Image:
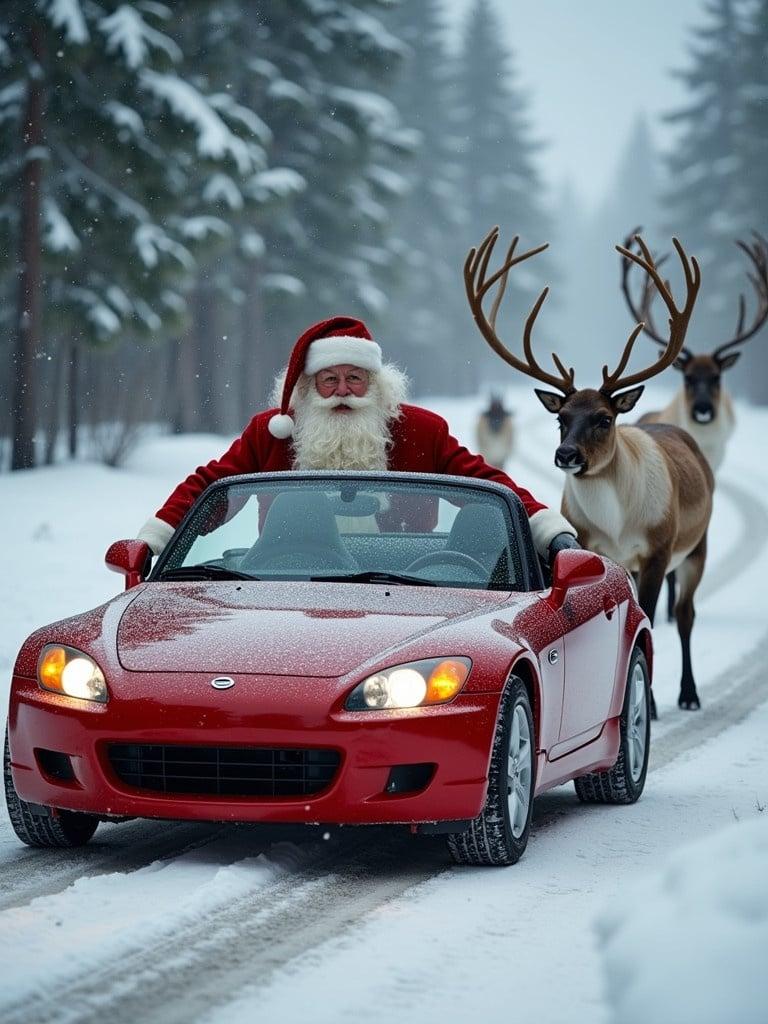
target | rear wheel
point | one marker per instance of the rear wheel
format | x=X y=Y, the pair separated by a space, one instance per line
x=499 y=835
x=624 y=783
x=59 y=828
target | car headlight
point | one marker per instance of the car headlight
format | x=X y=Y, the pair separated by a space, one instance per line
x=68 y=671
x=417 y=684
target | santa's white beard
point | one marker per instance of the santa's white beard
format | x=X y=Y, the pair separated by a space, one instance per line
x=325 y=439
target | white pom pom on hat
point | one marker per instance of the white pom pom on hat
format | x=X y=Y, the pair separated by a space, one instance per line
x=280 y=426
x=332 y=342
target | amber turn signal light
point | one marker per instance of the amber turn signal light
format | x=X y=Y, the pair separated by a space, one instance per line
x=445 y=680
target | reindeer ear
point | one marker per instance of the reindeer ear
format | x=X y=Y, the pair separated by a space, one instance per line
x=726 y=362
x=681 y=362
x=627 y=399
x=551 y=401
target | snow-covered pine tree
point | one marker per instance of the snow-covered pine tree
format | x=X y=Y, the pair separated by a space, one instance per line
x=632 y=200
x=706 y=198
x=754 y=145
x=320 y=70
x=499 y=178
x=753 y=151
x=428 y=298
x=105 y=133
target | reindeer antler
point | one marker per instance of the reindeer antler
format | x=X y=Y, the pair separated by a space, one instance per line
x=757 y=252
x=477 y=287
x=678 y=318
x=644 y=312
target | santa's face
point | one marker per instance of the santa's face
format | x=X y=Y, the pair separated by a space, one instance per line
x=342 y=382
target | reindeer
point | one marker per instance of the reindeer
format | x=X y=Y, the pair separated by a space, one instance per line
x=702 y=406
x=495 y=433
x=641 y=495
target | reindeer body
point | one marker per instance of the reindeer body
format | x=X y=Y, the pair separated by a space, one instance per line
x=495 y=438
x=626 y=511
x=712 y=437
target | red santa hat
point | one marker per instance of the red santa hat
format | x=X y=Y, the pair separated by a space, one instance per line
x=333 y=342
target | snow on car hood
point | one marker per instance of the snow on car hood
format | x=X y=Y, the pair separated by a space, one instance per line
x=310 y=629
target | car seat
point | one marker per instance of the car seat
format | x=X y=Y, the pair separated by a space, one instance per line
x=480 y=531
x=299 y=534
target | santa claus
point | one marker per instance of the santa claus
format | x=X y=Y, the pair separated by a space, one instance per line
x=339 y=406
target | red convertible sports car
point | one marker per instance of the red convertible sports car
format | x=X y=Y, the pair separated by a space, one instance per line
x=349 y=648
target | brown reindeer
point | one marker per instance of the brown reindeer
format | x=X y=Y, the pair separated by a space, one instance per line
x=642 y=495
x=702 y=406
x=495 y=433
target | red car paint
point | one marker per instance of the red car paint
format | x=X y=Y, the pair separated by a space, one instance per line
x=295 y=651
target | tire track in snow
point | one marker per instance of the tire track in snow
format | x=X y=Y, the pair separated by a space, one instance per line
x=197 y=967
x=42 y=872
x=745 y=547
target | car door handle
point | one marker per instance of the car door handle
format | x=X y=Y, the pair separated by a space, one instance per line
x=609 y=607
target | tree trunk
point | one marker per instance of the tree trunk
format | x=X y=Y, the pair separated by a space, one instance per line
x=30 y=259
x=54 y=386
x=257 y=374
x=73 y=399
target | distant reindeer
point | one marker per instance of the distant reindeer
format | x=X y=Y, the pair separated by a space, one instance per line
x=702 y=406
x=641 y=495
x=495 y=433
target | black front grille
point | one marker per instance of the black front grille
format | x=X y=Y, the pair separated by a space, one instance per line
x=224 y=771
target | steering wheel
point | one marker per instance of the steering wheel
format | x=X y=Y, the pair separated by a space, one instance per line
x=448 y=558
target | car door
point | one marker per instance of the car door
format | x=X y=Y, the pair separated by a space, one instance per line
x=591 y=646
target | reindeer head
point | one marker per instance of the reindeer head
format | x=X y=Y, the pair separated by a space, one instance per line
x=702 y=373
x=587 y=417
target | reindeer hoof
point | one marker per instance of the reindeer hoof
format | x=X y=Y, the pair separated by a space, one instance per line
x=689 y=703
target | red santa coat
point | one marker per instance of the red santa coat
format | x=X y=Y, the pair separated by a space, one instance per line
x=421 y=443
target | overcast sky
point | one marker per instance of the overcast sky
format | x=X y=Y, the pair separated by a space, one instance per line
x=589 y=66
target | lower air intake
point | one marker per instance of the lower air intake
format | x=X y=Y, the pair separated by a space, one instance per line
x=224 y=771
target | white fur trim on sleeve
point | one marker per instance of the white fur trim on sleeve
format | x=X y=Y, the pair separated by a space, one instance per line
x=545 y=526
x=336 y=351
x=156 y=532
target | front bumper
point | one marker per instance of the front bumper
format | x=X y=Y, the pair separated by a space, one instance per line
x=286 y=712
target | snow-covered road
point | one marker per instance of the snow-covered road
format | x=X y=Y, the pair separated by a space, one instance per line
x=171 y=922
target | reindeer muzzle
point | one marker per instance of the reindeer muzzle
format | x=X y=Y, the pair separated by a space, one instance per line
x=569 y=459
x=703 y=412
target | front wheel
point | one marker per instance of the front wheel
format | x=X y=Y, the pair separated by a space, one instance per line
x=624 y=783
x=61 y=829
x=499 y=835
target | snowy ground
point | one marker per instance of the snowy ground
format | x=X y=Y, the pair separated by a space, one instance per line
x=611 y=915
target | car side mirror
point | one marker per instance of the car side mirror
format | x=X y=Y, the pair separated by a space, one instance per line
x=573 y=568
x=132 y=558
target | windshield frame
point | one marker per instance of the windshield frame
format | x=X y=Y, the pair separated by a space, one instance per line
x=531 y=573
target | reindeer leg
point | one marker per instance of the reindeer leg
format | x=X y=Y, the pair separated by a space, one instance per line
x=671 y=586
x=648 y=590
x=690 y=573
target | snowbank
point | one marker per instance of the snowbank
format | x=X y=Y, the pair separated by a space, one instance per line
x=688 y=943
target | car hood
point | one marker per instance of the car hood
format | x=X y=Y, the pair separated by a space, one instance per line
x=309 y=629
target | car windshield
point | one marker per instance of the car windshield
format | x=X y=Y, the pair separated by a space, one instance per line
x=349 y=530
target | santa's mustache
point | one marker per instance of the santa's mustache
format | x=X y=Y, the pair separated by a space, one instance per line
x=335 y=401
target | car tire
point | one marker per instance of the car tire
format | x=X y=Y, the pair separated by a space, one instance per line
x=624 y=783
x=61 y=829
x=499 y=834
